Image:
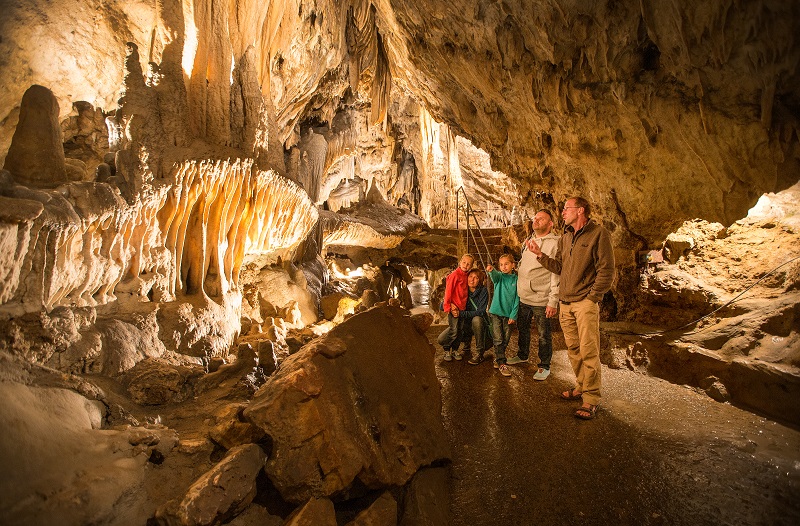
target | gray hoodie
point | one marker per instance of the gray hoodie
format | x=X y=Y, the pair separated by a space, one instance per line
x=536 y=285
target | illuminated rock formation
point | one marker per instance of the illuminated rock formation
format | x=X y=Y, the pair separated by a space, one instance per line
x=36 y=155
x=191 y=237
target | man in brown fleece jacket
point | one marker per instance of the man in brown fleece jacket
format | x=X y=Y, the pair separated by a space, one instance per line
x=585 y=262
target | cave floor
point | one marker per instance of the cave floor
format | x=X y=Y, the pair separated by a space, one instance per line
x=657 y=453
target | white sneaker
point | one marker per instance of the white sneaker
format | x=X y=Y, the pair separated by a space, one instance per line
x=458 y=355
x=515 y=360
x=541 y=374
x=448 y=356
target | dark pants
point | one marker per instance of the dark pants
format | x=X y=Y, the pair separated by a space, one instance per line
x=477 y=327
x=525 y=315
x=501 y=334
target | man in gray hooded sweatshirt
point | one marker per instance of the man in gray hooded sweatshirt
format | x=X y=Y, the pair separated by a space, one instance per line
x=537 y=288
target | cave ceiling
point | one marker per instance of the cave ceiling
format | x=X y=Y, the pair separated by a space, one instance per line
x=656 y=112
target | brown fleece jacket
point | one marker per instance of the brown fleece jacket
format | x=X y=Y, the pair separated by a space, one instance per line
x=585 y=262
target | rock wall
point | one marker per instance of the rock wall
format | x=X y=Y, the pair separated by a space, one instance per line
x=655 y=113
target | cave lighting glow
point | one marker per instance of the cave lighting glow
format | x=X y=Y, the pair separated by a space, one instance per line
x=346 y=273
x=189 y=45
x=762 y=209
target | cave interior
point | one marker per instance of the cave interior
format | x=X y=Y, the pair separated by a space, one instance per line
x=216 y=217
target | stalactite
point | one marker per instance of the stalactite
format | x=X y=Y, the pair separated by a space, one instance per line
x=369 y=65
x=235 y=210
x=439 y=165
x=88 y=245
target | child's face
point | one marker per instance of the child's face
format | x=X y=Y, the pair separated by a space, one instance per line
x=466 y=263
x=506 y=265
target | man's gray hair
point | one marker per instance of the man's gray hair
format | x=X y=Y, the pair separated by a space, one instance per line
x=583 y=203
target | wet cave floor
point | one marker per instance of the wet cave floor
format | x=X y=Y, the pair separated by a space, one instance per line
x=656 y=453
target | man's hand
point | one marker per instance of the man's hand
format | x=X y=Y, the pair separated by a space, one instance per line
x=550 y=312
x=533 y=247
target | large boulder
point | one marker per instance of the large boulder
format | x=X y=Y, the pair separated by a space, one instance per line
x=382 y=512
x=220 y=494
x=359 y=405
x=424 y=498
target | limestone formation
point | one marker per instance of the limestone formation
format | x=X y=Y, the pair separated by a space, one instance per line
x=312 y=513
x=256 y=515
x=382 y=512
x=231 y=430
x=729 y=301
x=64 y=465
x=36 y=155
x=427 y=490
x=369 y=225
x=152 y=382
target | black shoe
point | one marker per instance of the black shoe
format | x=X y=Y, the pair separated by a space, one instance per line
x=475 y=360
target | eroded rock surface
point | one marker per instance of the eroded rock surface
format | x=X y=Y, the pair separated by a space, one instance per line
x=220 y=494
x=731 y=301
x=336 y=415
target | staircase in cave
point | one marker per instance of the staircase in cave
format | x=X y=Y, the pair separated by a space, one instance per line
x=497 y=240
x=486 y=244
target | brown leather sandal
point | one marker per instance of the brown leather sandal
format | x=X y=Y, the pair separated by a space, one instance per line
x=586 y=413
x=572 y=394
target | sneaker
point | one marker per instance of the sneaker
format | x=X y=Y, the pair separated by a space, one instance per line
x=504 y=370
x=515 y=360
x=541 y=374
x=448 y=356
x=475 y=360
x=458 y=355
x=496 y=365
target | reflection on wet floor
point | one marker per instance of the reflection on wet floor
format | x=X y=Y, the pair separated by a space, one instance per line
x=657 y=453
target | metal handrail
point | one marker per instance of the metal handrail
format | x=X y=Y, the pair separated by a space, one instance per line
x=469 y=212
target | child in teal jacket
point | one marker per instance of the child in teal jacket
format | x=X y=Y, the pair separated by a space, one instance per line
x=503 y=311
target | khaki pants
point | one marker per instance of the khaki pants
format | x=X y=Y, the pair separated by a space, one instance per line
x=580 y=322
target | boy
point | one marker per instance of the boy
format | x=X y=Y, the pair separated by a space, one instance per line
x=503 y=311
x=455 y=300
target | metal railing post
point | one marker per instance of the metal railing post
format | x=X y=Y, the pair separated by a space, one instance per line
x=470 y=213
x=457 y=212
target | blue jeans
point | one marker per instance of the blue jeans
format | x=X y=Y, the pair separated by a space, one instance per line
x=501 y=334
x=526 y=314
x=449 y=338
